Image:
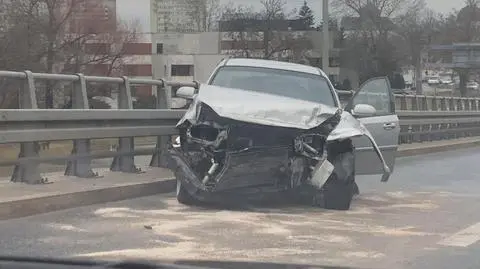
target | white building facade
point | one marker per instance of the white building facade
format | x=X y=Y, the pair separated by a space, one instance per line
x=171 y=16
x=185 y=56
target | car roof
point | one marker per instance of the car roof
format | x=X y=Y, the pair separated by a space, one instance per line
x=274 y=65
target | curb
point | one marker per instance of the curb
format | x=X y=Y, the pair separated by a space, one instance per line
x=28 y=207
x=437 y=148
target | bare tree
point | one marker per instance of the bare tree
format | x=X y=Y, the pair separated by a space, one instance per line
x=46 y=36
x=375 y=8
x=467 y=22
x=468 y=31
x=418 y=27
x=371 y=49
x=241 y=32
x=266 y=34
x=273 y=10
x=103 y=49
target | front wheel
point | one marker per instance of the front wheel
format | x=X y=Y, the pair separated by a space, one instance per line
x=338 y=191
x=337 y=194
x=182 y=194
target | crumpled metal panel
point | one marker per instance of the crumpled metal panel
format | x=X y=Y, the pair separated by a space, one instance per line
x=279 y=111
x=349 y=127
x=259 y=108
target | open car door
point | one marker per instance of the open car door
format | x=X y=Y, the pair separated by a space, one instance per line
x=376 y=95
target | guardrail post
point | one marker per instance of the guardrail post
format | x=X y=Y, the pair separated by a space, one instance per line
x=415 y=107
x=473 y=104
x=451 y=104
x=80 y=167
x=28 y=172
x=466 y=104
x=424 y=103
x=434 y=106
x=451 y=107
x=163 y=102
x=126 y=146
x=415 y=103
x=443 y=104
x=403 y=102
x=459 y=104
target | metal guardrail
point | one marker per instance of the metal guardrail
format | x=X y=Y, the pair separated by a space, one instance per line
x=436 y=103
x=422 y=119
x=428 y=118
x=29 y=125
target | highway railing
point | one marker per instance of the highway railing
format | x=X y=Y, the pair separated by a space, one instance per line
x=422 y=119
x=429 y=118
x=29 y=125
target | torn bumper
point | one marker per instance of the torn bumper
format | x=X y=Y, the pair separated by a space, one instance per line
x=247 y=175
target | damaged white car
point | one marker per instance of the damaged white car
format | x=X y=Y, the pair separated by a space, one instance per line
x=262 y=127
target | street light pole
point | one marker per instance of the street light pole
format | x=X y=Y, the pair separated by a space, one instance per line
x=326 y=39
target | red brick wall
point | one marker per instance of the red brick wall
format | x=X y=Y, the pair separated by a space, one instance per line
x=91 y=16
x=97 y=48
x=138 y=48
x=143 y=90
x=138 y=70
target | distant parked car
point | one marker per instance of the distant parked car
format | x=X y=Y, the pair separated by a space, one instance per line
x=433 y=80
x=446 y=80
x=472 y=85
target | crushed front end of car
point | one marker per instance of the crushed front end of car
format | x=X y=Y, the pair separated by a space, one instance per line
x=265 y=144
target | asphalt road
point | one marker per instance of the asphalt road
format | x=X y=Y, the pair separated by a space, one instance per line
x=427 y=216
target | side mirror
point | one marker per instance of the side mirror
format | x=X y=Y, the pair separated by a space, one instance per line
x=364 y=110
x=178 y=103
x=186 y=92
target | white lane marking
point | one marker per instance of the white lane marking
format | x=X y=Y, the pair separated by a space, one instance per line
x=463 y=238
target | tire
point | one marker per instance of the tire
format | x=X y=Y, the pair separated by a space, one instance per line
x=338 y=194
x=356 y=190
x=182 y=194
x=338 y=191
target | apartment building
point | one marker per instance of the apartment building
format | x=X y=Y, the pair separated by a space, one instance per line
x=185 y=56
x=172 y=16
x=193 y=56
x=92 y=16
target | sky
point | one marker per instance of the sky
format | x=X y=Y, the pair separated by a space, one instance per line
x=139 y=9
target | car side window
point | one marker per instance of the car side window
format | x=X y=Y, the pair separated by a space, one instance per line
x=377 y=93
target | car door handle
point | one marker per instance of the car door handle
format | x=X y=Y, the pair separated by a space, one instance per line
x=389 y=126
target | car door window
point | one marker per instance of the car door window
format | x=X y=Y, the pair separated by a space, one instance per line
x=383 y=126
x=377 y=93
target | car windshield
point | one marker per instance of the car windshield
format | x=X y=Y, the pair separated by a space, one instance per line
x=298 y=85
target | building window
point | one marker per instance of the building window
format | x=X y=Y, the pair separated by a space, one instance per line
x=334 y=80
x=334 y=62
x=182 y=70
x=160 y=48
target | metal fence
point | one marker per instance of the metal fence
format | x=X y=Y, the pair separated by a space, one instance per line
x=30 y=125
x=422 y=119
x=429 y=118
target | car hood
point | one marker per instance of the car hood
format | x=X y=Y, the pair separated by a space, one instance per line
x=273 y=110
x=260 y=108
